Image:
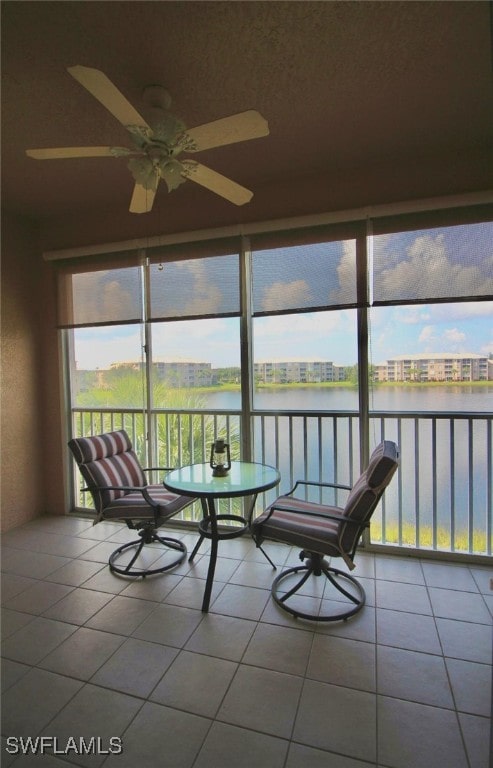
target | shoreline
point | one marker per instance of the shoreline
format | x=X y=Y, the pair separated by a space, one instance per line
x=348 y=385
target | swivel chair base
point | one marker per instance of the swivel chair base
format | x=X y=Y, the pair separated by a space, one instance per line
x=316 y=565
x=147 y=536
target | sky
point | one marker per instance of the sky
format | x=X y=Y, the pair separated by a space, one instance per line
x=406 y=266
x=327 y=336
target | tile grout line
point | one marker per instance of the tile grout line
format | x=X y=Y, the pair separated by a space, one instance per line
x=456 y=713
x=258 y=622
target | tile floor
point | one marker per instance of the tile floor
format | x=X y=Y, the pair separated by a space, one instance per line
x=85 y=654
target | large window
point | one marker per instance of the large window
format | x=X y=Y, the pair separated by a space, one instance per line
x=196 y=364
x=304 y=348
x=108 y=367
x=194 y=309
x=305 y=336
x=431 y=355
x=306 y=362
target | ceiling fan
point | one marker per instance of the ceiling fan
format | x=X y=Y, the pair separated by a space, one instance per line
x=156 y=149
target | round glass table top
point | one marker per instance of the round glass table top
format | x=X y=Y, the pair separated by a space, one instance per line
x=243 y=478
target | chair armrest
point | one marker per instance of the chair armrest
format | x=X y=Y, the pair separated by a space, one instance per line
x=157 y=469
x=127 y=488
x=160 y=470
x=117 y=488
x=324 y=515
x=319 y=485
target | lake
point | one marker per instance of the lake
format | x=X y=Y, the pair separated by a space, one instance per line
x=444 y=483
x=461 y=399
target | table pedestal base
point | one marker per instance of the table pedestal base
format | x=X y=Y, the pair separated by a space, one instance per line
x=208 y=530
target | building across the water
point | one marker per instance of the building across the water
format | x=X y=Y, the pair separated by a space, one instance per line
x=298 y=371
x=176 y=373
x=436 y=366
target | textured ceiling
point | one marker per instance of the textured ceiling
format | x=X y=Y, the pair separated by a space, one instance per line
x=367 y=102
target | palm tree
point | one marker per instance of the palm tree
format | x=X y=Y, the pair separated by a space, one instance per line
x=181 y=430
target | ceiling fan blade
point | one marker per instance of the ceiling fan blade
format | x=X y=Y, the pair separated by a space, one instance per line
x=228 y=130
x=104 y=91
x=217 y=183
x=60 y=153
x=142 y=199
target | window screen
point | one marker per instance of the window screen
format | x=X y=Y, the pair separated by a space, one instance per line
x=195 y=280
x=437 y=264
x=316 y=274
x=92 y=295
x=194 y=288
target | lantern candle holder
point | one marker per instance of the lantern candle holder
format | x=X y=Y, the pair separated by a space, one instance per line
x=220 y=460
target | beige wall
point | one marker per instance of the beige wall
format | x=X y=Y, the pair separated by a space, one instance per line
x=31 y=454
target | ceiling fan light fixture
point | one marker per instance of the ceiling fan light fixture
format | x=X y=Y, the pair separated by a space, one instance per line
x=171 y=172
x=144 y=172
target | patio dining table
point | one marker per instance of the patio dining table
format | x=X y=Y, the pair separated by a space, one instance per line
x=244 y=479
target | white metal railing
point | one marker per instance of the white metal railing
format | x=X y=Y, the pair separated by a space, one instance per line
x=443 y=500
x=440 y=501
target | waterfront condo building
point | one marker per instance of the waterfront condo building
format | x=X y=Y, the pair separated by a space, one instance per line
x=298 y=371
x=439 y=366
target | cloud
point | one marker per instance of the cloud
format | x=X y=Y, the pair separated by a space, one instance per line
x=115 y=299
x=427 y=334
x=207 y=296
x=454 y=336
x=99 y=350
x=322 y=336
x=286 y=295
x=346 y=272
x=97 y=297
x=206 y=301
x=442 y=340
x=310 y=325
x=413 y=315
x=460 y=311
x=192 y=330
x=431 y=314
x=427 y=271
x=487 y=349
x=213 y=340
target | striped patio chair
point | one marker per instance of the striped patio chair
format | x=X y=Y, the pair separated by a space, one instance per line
x=120 y=491
x=321 y=530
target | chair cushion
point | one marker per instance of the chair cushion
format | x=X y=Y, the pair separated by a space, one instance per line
x=324 y=535
x=107 y=460
x=366 y=492
x=382 y=465
x=87 y=449
x=133 y=506
x=313 y=533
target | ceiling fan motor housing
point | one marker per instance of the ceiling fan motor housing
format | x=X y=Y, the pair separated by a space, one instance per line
x=156 y=96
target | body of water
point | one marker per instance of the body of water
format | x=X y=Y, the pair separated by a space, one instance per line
x=463 y=399
x=445 y=472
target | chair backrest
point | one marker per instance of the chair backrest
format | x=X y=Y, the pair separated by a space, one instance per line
x=367 y=491
x=107 y=459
